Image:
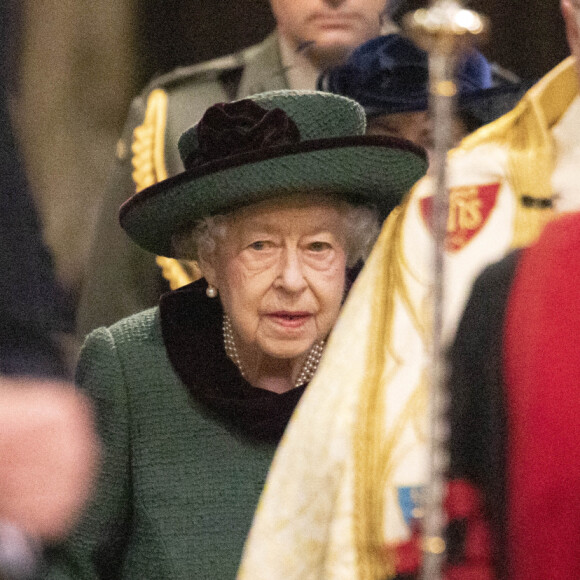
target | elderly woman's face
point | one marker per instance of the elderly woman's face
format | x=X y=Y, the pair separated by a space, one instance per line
x=280 y=273
x=414 y=126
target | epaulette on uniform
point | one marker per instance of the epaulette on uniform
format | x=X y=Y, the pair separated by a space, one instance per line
x=214 y=80
x=210 y=70
x=148 y=158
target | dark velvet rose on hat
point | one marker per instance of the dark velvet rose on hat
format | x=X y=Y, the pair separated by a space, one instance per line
x=267 y=146
x=231 y=129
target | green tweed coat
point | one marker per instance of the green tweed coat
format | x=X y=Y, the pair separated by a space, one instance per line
x=178 y=489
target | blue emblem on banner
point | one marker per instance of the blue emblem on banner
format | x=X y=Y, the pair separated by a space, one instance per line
x=411 y=502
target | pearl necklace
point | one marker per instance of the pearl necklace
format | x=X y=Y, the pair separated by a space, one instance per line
x=308 y=368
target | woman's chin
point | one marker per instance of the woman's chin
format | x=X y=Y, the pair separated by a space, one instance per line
x=288 y=349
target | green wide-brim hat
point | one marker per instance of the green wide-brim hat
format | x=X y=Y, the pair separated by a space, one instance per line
x=267 y=146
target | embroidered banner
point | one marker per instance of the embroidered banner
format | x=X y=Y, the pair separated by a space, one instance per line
x=469 y=208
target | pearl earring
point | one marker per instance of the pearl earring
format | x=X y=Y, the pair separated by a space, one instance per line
x=211 y=291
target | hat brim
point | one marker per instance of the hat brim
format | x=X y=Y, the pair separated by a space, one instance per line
x=485 y=106
x=371 y=170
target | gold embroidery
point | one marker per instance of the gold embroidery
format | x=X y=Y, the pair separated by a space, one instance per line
x=178 y=273
x=525 y=133
x=148 y=145
x=149 y=167
x=464 y=209
x=374 y=450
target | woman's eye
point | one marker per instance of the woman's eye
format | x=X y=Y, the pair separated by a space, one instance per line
x=259 y=245
x=318 y=246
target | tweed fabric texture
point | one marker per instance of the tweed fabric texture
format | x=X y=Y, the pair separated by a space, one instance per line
x=177 y=490
x=327 y=115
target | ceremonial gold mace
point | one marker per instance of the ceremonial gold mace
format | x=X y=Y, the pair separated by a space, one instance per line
x=446 y=30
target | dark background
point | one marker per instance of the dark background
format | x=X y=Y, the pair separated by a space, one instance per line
x=527 y=36
x=182 y=32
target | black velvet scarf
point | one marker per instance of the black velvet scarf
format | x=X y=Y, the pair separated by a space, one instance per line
x=191 y=324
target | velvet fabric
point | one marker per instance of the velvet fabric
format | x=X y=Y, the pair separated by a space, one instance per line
x=389 y=74
x=542 y=384
x=191 y=325
x=232 y=128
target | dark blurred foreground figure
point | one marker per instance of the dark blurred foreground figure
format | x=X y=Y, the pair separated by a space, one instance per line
x=48 y=447
x=389 y=77
x=310 y=36
x=33 y=308
x=515 y=388
x=282 y=194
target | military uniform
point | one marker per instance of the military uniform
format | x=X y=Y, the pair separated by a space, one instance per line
x=122 y=279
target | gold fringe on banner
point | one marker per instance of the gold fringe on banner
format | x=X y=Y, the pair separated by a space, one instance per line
x=525 y=133
x=374 y=453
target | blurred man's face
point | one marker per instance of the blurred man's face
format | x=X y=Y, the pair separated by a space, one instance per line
x=327 y=30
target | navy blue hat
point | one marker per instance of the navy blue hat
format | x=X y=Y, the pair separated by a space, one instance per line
x=389 y=74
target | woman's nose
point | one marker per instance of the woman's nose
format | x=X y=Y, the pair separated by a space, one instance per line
x=291 y=273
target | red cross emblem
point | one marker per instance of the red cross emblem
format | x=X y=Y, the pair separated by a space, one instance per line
x=469 y=208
